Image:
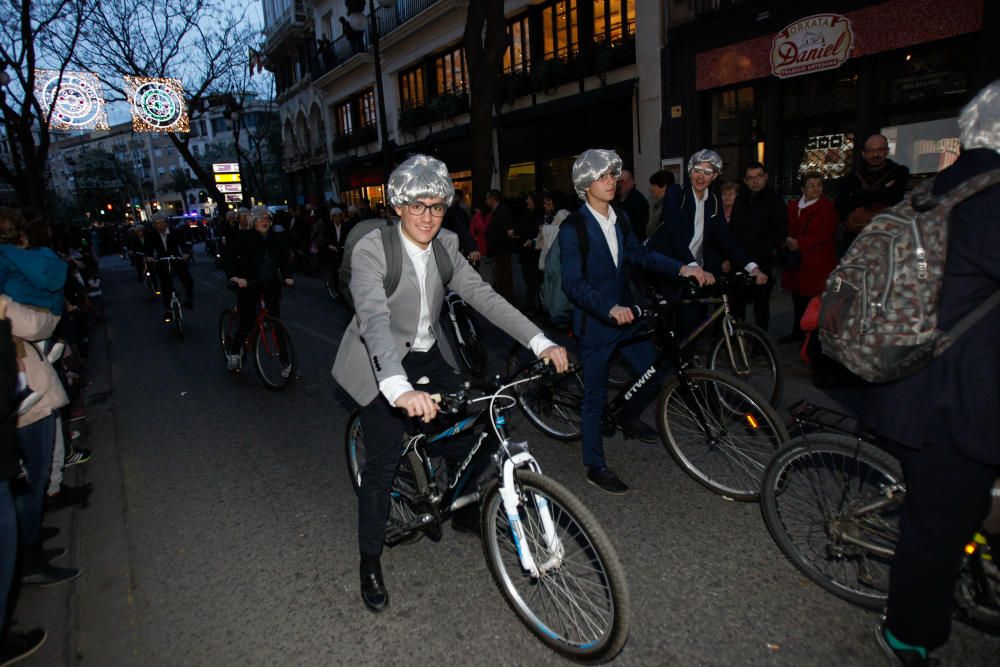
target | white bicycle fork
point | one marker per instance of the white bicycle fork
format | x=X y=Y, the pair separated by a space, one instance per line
x=509 y=496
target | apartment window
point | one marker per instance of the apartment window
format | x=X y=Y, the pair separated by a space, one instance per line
x=517 y=57
x=411 y=87
x=345 y=125
x=452 y=77
x=560 y=34
x=158 y=152
x=613 y=19
x=366 y=109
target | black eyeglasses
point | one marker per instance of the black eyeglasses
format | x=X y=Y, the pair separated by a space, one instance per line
x=418 y=208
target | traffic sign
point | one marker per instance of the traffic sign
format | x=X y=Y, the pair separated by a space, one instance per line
x=234 y=198
x=226 y=167
x=230 y=187
x=227 y=178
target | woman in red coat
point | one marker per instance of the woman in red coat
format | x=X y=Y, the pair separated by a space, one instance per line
x=812 y=222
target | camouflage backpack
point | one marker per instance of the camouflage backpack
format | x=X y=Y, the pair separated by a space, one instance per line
x=879 y=310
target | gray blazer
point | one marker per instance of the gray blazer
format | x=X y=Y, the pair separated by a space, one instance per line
x=382 y=330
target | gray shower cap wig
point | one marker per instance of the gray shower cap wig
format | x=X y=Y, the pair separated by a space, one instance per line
x=980 y=119
x=159 y=215
x=706 y=155
x=259 y=212
x=591 y=165
x=420 y=177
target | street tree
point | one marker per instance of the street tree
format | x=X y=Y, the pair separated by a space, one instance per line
x=199 y=42
x=484 y=41
x=33 y=34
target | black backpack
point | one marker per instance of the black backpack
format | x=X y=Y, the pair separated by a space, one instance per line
x=393 y=246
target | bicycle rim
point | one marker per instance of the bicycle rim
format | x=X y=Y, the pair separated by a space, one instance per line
x=720 y=431
x=178 y=320
x=812 y=499
x=554 y=404
x=273 y=354
x=579 y=603
x=753 y=361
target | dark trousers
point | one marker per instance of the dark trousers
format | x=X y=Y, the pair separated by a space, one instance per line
x=532 y=278
x=947 y=498
x=504 y=275
x=35 y=443
x=383 y=427
x=596 y=359
x=180 y=271
x=8 y=549
x=760 y=297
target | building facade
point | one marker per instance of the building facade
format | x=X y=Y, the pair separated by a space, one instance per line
x=576 y=74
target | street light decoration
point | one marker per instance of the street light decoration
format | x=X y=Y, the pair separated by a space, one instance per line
x=157 y=104
x=74 y=99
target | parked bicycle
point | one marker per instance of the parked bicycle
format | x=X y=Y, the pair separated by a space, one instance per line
x=832 y=500
x=719 y=430
x=268 y=342
x=548 y=555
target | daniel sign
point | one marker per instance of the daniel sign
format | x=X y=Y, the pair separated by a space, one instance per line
x=812 y=44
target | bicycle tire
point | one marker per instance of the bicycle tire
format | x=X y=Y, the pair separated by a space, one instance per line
x=764 y=373
x=553 y=404
x=332 y=287
x=404 y=486
x=229 y=326
x=807 y=497
x=472 y=348
x=977 y=593
x=745 y=432
x=269 y=339
x=178 y=320
x=593 y=567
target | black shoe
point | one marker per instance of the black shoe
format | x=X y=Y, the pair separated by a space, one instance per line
x=606 y=480
x=638 y=430
x=373 y=591
x=899 y=657
x=20 y=645
x=67 y=497
x=49 y=575
x=54 y=552
x=48 y=532
x=794 y=337
x=466 y=520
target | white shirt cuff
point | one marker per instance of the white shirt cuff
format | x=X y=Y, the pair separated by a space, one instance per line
x=539 y=344
x=750 y=267
x=393 y=387
x=693 y=264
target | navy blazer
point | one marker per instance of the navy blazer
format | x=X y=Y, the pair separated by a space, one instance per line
x=956 y=400
x=605 y=285
x=673 y=237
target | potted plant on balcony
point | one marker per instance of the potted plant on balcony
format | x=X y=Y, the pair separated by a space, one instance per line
x=411 y=119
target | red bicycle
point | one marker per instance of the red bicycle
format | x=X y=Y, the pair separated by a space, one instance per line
x=269 y=343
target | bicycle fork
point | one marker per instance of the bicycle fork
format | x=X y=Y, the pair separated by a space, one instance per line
x=510 y=499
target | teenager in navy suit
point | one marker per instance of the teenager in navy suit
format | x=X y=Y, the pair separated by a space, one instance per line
x=602 y=298
x=695 y=231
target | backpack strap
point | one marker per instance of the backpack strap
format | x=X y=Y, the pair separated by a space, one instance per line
x=583 y=240
x=393 y=247
x=966 y=323
x=445 y=268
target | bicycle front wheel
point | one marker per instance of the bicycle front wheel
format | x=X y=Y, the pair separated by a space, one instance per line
x=832 y=506
x=178 y=319
x=720 y=431
x=274 y=355
x=753 y=360
x=229 y=326
x=553 y=404
x=579 y=603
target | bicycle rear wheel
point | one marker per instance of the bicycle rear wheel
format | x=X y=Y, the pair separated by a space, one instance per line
x=831 y=505
x=404 y=487
x=754 y=360
x=579 y=603
x=470 y=344
x=553 y=404
x=720 y=432
x=274 y=355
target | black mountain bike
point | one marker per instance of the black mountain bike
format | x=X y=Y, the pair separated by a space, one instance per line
x=719 y=430
x=548 y=555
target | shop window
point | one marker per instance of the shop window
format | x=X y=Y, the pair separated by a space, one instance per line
x=519 y=179
x=734 y=117
x=829 y=155
x=366 y=109
x=345 y=125
x=411 y=87
x=560 y=31
x=925 y=148
x=517 y=57
x=613 y=20
x=451 y=72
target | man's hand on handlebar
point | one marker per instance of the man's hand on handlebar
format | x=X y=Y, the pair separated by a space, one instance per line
x=474 y=256
x=240 y=282
x=418 y=404
x=622 y=315
x=290 y=281
x=699 y=274
x=759 y=275
x=556 y=354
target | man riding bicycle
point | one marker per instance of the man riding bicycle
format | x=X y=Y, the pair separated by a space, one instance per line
x=256 y=262
x=165 y=243
x=394 y=353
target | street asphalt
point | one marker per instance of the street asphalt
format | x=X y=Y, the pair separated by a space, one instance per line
x=222 y=530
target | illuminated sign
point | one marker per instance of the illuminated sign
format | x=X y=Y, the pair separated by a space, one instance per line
x=230 y=187
x=233 y=198
x=226 y=167
x=227 y=178
x=813 y=44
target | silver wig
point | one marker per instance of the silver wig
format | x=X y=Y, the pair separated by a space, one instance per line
x=591 y=165
x=259 y=212
x=706 y=155
x=980 y=119
x=159 y=215
x=420 y=177
x=231 y=215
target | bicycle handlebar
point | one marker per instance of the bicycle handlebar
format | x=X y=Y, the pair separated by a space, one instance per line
x=454 y=402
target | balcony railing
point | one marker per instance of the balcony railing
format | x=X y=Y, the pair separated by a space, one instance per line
x=296 y=15
x=390 y=18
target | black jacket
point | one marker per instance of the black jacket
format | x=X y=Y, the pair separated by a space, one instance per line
x=8 y=425
x=637 y=208
x=155 y=247
x=956 y=400
x=760 y=225
x=257 y=257
x=864 y=187
x=497 y=240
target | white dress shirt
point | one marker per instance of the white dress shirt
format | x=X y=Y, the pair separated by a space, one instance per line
x=394 y=386
x=607 y=225
x=698 y=237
